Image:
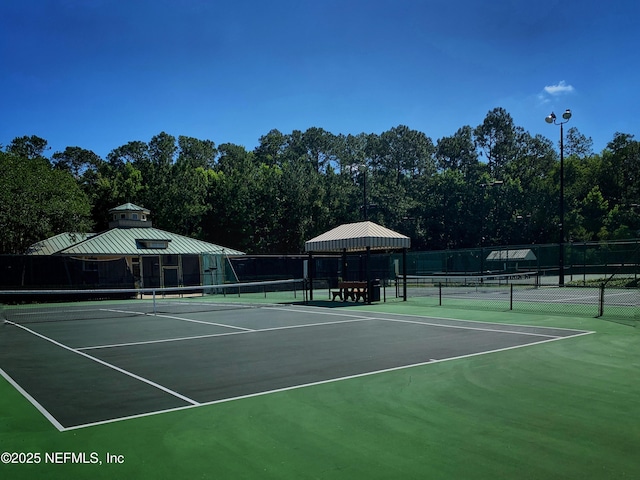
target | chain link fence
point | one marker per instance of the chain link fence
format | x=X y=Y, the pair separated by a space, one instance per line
x=582 y=261
x=526 y=293
x=600 y=279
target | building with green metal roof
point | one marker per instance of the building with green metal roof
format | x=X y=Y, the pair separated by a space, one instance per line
x=152 y=257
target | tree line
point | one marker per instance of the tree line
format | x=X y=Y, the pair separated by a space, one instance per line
x=493 y=184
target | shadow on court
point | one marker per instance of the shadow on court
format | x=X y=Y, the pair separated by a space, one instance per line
x=329 y=303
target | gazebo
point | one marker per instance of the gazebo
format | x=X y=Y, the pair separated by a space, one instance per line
x=359 y=237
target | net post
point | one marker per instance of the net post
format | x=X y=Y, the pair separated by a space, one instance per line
x=511 y=297
x=440 y=293
x=153 y=293
x=601 y=301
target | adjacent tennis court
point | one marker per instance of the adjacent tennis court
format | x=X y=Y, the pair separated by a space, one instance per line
x=527 y=292
x=108 y=363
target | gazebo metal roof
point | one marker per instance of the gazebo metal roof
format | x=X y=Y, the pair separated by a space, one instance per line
x=359 y=236
x=515 y=255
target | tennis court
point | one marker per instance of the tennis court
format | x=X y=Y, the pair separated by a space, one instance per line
x=527 y=292
x=108 y=363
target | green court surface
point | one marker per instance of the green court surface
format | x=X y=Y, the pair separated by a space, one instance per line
x=551 y=409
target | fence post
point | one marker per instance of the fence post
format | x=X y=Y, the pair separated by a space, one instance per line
x=511 y=297
x=601 y=302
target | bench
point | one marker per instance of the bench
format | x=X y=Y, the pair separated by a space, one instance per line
x=355 y=291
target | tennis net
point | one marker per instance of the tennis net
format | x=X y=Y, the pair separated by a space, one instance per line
x=462 y=280
x=38 y=306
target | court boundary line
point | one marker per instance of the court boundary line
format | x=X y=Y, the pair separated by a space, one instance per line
x=307 y=309
x=511 y=332
x=356 y=318
x=414 y=315
x=360 y=318
x=324 y=382
x=32 y=400
x=162 y=315
x=108 y=365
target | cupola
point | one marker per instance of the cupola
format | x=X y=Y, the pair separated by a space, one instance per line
x=129 y=215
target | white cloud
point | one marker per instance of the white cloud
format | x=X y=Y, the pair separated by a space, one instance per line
x=559 y=89
x=543 y=99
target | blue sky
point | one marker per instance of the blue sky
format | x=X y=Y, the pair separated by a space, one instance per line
x=100 y=73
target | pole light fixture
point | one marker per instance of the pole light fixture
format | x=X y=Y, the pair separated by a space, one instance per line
x=552 y=119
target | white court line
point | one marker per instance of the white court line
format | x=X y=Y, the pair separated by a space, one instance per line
x=205 y=323
x=107 y=364
x=128 y=312
x=465 y=327
x=59 y=311
x=449 y=319
x=323 y=311
x=33 y=401
x=471 y=328
x=629 y=293
x=175 y=318
x=162 y=340
x=307 y=309
x=356 y=318
x=322 y=382
x=212 y=335
x=591 y=298
x=587 y=298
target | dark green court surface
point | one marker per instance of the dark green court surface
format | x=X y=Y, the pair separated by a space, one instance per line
x=80 y=373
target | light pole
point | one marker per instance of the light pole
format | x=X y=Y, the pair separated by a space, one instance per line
x=494 y=183
x=363 y=170
x=552 y=119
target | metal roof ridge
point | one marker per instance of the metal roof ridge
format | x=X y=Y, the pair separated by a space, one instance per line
x=129 y=206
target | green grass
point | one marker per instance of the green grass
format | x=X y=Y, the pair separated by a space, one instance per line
x=565 y=409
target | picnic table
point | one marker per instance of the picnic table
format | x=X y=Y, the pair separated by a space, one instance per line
x=355 y=291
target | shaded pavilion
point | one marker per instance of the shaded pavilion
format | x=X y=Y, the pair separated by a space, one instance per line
x=359 y=237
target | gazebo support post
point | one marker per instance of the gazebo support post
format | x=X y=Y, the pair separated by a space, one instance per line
x=344 y=265
x=404 y=274
x=310 y=273
x=368 y=273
